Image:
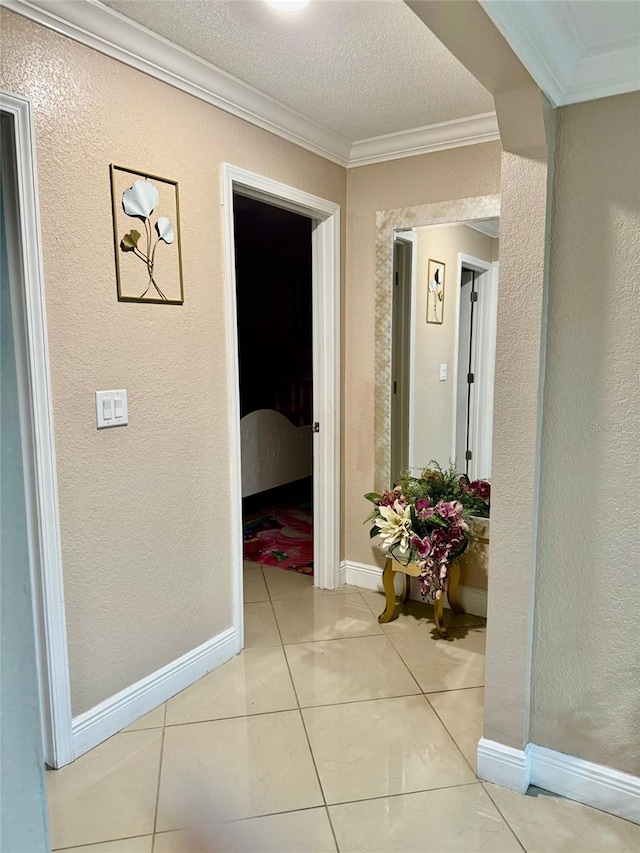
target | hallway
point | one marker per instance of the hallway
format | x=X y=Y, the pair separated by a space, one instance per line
x=329 y=732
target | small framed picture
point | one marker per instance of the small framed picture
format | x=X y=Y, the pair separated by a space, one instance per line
x=146 y=233
x=435 y=292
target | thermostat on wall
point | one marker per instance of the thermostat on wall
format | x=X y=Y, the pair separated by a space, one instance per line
x=111 y=409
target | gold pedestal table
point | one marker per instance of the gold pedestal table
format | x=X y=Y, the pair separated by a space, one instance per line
x=411 y=570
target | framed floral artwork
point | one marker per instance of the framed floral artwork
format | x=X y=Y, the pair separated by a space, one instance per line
x=146 y=232
x=435 y=292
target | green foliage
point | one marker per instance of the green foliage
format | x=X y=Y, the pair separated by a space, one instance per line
x=442 y=484
x=435 y=483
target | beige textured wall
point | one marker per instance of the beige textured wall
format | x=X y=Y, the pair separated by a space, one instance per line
x=145 y=539
x=515 y=453
x=586 y=672
x=436 y=345
x=441 y=176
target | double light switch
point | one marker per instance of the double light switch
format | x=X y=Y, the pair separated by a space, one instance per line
x=111 y=409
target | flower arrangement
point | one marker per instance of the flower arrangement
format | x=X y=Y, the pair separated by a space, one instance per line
x=428 y=520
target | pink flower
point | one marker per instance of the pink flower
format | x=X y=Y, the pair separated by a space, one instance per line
x=390 y=498
x=456 y=537
x=482 y=489
x=438 y=536
x=387 y=499
x=399 y=495
x=479 y=489
x=449 y=509
x=424 y=510
x=422 y=546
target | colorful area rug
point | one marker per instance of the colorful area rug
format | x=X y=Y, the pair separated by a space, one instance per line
x=281 y=537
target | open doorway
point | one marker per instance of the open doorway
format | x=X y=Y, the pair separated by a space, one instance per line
x=273 y=262
x=321 y=396
x=402 y=340
x=475 y=358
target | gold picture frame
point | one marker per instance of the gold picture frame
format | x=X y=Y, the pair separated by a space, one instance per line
x=435 y=292
x=146 y=234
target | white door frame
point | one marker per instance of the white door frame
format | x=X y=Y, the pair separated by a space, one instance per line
x=36 y=420
x=482 y=406
x=410 y=235
x=326 y=368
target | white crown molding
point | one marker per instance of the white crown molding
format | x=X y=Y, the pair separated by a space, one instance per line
x=94 y=25
x=423 y=140
x=489 y=229
x=105 y=30
x=546 y=40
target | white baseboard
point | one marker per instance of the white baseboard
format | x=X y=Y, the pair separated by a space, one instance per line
x=118 y=711
x=362 y=574
x=504 y=765
x=592 y=784
x=473 y=600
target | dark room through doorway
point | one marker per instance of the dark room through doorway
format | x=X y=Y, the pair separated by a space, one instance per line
x=273 y=259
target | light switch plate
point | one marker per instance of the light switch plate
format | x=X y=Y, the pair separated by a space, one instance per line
x=111 y=409
x=443 y=372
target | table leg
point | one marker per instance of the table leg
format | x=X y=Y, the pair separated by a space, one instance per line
x=452 y=587
x=390 y=592
x=438 y=608
x=407 y=589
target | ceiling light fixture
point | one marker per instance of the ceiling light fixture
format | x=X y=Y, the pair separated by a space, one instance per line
x=288 y=5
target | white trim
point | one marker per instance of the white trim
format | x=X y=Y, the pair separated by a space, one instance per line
x=474 y=601
x=471 y=130
x=593 y=784
x=488 y=227
x=116 y=712
x=482 y=398
x=487 y=332
x=326 y=366
x=549 y=45
x=109 y=32
x=410 y=235
x=363 y=575
x=504 y=765
x=38 y=440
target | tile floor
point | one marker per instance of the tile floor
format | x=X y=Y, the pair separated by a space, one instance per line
x=329 y=732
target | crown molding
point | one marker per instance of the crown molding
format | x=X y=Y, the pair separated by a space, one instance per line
x=545 y=38
x=105 y=30
x=94 y=25
x=423 y=140
x=489 y=229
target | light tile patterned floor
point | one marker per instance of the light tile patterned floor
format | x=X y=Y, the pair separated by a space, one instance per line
x=328 y=733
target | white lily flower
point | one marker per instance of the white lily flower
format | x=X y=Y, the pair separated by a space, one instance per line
x=394 y=526
x=164 y=227
x=140 y=199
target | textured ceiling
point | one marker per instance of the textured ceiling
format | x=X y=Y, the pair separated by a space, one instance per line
x=360 y=68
